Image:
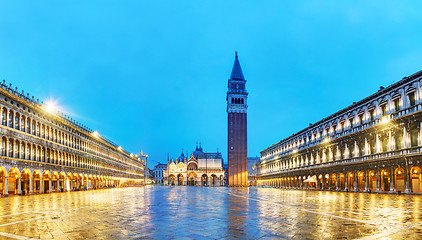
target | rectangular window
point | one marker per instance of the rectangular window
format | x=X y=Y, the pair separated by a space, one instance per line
x=414 y=138
x=397 y=104
x=412 y=99
x=384 y=109
x=351 y=122
x=372 y=114
x=361 y=119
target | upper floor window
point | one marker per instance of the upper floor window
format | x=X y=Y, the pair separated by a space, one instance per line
x=412 y=99
x=372 y=114
x=384 y=109
x=397 y=104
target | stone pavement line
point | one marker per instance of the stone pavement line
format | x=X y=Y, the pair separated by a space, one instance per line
x=9 y=235
x=391 y=231
x=22 y=213
x=310 y=211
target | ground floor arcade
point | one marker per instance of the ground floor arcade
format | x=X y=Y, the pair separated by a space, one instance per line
x=195 y=179
x=400 y=176
x=24 y=181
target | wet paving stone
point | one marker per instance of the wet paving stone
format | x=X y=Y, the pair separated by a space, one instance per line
x=163 y=212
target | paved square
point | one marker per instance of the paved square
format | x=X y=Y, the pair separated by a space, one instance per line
x=162 y=212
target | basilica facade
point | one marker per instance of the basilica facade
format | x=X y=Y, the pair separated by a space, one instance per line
x=373 y=145
x=199 y=169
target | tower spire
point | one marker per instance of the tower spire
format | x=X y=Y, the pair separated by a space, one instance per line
x=237 y=70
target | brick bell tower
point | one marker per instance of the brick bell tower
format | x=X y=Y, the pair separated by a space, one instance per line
x=237 y=127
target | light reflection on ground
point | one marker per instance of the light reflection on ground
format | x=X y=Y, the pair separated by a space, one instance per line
x=161 y=212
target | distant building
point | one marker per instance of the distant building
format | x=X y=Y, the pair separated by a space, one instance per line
x=237 y=145
x=201 y=169
x=252 y=170
x=159 y=172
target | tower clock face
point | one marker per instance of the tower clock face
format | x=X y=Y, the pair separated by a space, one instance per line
x=253 y=167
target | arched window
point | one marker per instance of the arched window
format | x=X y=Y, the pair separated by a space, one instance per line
x=242 y=101
x=23 y=123
x=414 y=137
x=4 y=116
x=11 y=147
x=232 y=100
x=17 y=121
x=11 y=116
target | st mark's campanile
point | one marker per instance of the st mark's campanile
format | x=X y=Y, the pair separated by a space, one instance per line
x=237 y=127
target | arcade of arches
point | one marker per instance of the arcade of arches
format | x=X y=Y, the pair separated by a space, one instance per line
x=393 y=178
x=14 y=181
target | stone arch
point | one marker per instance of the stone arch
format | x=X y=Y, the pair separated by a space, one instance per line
x=26 y=180
x=399 y=182
x=13 y=183
x=416 y=179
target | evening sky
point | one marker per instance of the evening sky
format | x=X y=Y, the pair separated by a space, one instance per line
x=152 y=75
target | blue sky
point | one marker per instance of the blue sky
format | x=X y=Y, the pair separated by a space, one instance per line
x=152 y=75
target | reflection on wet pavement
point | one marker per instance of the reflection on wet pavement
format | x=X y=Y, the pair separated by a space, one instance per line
x=162 y=212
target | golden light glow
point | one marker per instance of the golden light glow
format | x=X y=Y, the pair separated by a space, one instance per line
x=95 y=133
x=372 y=174
x=326 y=140
x=294 y=150
x=384 y=120
x=385 y=173
x=399 y=172
x=51 y=106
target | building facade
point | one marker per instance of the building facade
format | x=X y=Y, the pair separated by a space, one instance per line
x=252 y=170
x=237 y=146
x=200 y=169
x=159 y=170
x=373 y=145
x=42 y=151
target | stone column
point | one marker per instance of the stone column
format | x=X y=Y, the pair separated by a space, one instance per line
x=337 y=181
x=50 y=189
x=355 y=181
x=18 y=181
x=6 y=186
x=366 y=180
x=378 y=179
x=346 y=182
x=392 y=185
x=31 y=185
x=42 y=184
x=406 y=179
x=58 y=184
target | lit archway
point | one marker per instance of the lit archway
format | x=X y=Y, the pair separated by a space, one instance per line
x=399 y=179
x=416 y=179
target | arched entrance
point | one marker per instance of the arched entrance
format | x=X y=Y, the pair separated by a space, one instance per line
x=385 y=180
x=204 y=180
x=399 y=177
x=191 y=178
x=342 y=182
x=320 y=181
x=361 y=181
x=13 y=185
x=327 y=181
x=26 y=182
x=62 y=183
x=46 y=182
x=372 y=181
x=333 y=181
x=416 y=179
x=351 y=181
x=172 y=180
x=213 y=180
x=180 y=179
x=36 y=181
x=54 y=182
